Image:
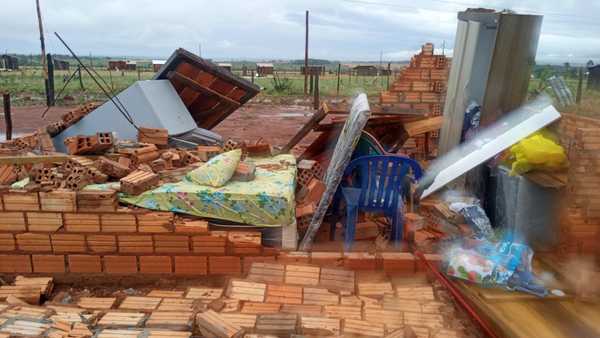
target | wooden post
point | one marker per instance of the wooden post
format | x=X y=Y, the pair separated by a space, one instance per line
x=579 y=87
x=7 y=116
x=138 y=71
x=50 y=81
x=316 y=98
x=389 y=72
x=43 y=46
x=252 y=75
x=80 y=78
x=337 y=92
x=306 y=56
x=310 y=87
x=112 y=86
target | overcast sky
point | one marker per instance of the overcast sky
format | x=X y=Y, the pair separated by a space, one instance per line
x=274 y=29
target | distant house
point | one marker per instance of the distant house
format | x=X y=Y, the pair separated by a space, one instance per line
x=313 y=69
x=131 y=65
x=156 y=64
x=61 y=64
x=117 y=65
x=594 y=77
x=9 y=62
x=225 y=66
x=365 y=70
x=263 y=69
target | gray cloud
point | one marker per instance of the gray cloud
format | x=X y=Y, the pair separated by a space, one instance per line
x=274 y=29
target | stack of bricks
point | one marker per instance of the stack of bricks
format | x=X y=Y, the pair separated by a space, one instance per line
x=83 y=232
x=421 y=89
x=580 y=221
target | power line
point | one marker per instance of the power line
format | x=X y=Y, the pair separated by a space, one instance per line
x=594 y=20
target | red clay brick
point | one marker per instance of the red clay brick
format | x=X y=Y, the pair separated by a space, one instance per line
x=155 y=264
x=85 y=263
x=15 y=263
x=224 y=265
x=120 y=264
x=293 y=257
x=48 y=263
x=327 y=258
x=433 y=259
x=360 y=261
x=191 y=265
x=398 y=261
x=248 y=260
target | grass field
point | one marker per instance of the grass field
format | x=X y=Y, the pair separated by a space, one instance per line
x=27 y=87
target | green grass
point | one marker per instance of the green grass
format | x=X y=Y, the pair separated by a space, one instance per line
x=27 y=85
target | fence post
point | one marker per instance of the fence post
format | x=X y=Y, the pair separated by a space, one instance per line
x=81 y=79
x=50 y=81
x=316 y=98
x=7 y=116
x=579 y=87
x=337 y=92
x=311 y=83
x=252 y=73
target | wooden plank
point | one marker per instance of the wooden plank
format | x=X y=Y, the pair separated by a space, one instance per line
x=317 y=117
x=423 y=126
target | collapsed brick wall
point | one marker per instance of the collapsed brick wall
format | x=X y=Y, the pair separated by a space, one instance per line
x=38 y=236
x=580 y=220
x=421 y=88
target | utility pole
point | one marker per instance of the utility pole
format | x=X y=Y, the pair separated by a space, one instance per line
x=306 y=57
x=43 y=45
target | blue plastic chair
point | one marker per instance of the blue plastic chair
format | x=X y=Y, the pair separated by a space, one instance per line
x=374 y=183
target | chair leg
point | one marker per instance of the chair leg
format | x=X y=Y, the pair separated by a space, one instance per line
x=349 y=232
x=398 y=223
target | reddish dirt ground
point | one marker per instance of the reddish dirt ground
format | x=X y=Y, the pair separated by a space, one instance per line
x=274 y=123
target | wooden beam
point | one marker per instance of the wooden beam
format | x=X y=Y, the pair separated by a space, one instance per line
x=198 y=87
x=314 y=120
x=423 y=126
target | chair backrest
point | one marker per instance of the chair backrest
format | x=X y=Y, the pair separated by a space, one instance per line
x=367 y=146
x=380 y=178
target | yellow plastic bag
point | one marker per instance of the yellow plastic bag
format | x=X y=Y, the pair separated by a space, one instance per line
x=539 y=150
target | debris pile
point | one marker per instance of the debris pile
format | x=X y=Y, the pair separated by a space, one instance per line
x=273 y=299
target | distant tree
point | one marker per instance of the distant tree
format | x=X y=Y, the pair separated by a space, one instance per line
x=590 y=64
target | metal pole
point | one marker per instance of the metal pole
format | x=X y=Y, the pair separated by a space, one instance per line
x=337 y=92
x=7 y=116
x=306 y=57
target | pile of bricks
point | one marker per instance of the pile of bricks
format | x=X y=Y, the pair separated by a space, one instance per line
x=421 y=88
x=273 y=299
x=90 y=144
x=580 y=221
